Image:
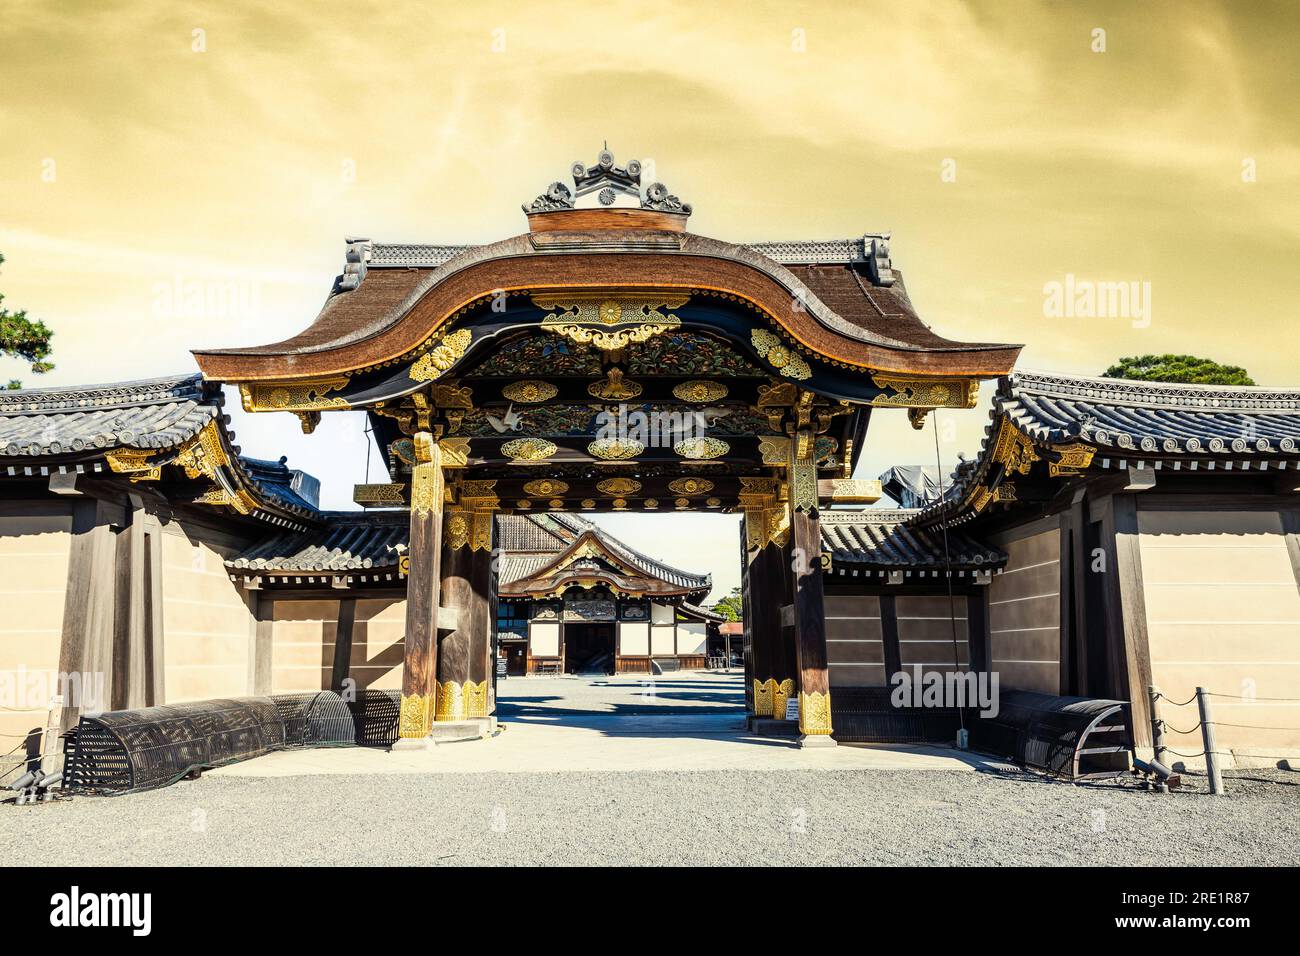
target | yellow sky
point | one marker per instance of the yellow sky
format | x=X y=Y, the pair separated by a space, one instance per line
x=131 y=161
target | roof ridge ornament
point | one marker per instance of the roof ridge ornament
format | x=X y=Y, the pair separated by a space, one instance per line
x=606 y=185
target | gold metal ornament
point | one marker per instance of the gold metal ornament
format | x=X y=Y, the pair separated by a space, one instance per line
x=435 y=362
x=135 y=463
x=426 y=476
x=702 y=448
x=607 y=321
x=414 y=718
x=618 y=486
x=615 y=449
x=781 y=357
x=815 y=713
x=1074 y=459
x=203 y=454
x=909 y=392
x=690 y=486
x=455 y=452
x=700 y=391
x=774 y=449
x=763 y=694
x=529 y=449
x=530 y=391
x=781 y=693
x=546 y=487
x=302 y=395
x=614 y=387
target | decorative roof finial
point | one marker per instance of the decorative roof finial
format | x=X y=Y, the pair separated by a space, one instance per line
x=606 y=185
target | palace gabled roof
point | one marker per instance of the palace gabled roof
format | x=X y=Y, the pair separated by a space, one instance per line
x=1061 y=426
x=134 y=429
x=880 y=541
x=1131 y=417
x=853 y=304
x=152 y=413
x=562 y=532
x=374 y=541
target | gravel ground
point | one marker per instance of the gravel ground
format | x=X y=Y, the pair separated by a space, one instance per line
x=664 y=818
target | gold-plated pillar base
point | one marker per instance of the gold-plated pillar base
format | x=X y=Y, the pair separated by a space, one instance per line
x=815 y=713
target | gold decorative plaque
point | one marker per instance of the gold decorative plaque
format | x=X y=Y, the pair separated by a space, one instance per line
x=614 y=449
x=700 y=391
x=618 y=486
x=529 y=449
x=690 y=486
x=545 y=487
x=702 y=448
x=781 y=357
x=529 y=391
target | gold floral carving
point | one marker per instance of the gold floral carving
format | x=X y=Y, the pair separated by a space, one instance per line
x=614 y=449
x=764 y=691
x=588 y=503
x=618 y=486
x=614 y=387
x=814 y=713
x=608 y=322
x=910 y=392
x=529 y=391
x=529 y=449
x=691 y=486
x=302 y=395
x=651 y=504
x=456 y=527
x=702 y=448
x=700 y=391
x=781 y=357
x=413 y=721
x=545 y=487
x=435 y=362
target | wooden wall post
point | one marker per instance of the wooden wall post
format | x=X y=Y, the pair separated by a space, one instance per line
x=809 y=601
x=420 y=662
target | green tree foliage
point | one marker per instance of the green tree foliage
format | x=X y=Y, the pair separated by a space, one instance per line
x=24 y=339
x=730 y=606
x=1187 y=369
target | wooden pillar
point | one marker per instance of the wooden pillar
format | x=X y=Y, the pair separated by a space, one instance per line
x=464 y=674
x=746 y=616
x=764 y=625
x=420 y=661
x=809 y=602
x=785 y=658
